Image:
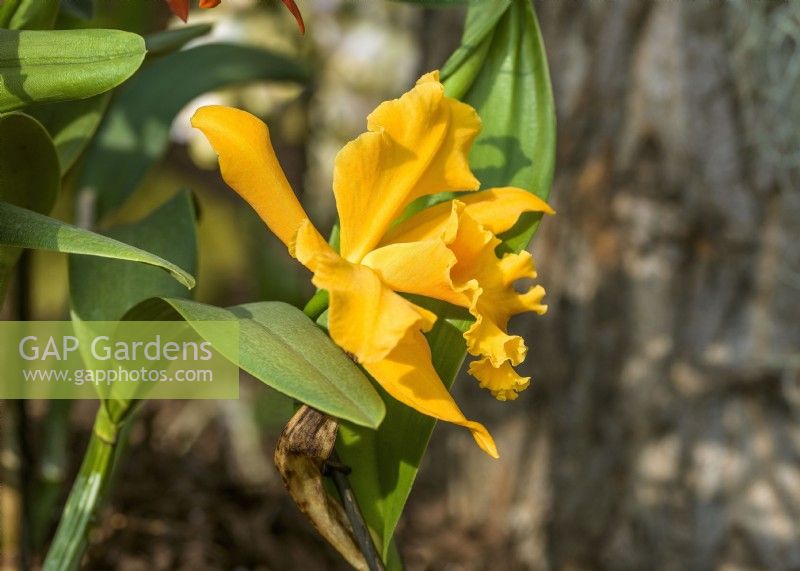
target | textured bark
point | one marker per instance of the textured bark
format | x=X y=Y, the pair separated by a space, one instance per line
x=661 y=428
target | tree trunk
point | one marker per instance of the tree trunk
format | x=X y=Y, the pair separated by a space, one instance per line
x=661 y=427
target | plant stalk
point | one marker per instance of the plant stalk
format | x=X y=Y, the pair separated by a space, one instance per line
x=354 y=515
x=317 y=305
x=72 y=535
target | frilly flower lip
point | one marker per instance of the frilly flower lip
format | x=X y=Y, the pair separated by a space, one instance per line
x=181 y=9
x=414 y=146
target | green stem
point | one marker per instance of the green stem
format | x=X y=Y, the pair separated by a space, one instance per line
x=71 y=536
x=317 y=304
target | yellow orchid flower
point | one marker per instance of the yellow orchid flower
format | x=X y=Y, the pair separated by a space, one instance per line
x=415 y=146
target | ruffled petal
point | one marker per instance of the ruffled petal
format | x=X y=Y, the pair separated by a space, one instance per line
x=478 y=280
x=494 y=297
x=365 y=318
x=250 y=167
x=415 y=146
x=408 y=375
x=421 y=268
x=496 y=209
x=503 y=382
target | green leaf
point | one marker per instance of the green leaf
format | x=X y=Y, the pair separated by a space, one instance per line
x=71 y=124
x=29 y=175
x=28 y=14
x=461 y=69
x=104 y=290
x=283 y=348
x=166 y=41
x=501 y=70
x=58 y=65
x=135 y=132
x=503 y=74
x=23 y=228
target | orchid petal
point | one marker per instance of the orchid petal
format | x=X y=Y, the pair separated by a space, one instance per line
x=496 y=209
x=180 y=8
x=495 y=299
x=503 y=382
x=296 y=13
x=250 y=167
x=365 y=317
x=407 y=374
x=421 y=268
x=416 y=145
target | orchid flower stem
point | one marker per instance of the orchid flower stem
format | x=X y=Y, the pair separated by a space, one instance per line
x=317 y=305
x=363 y=537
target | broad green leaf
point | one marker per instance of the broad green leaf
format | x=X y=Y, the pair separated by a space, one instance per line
x=104 y=290
x=59 y=65
x=23 y=228
x=501 y=70
x=513 y=96
x=135 y=132
x=28 y=14
x=71 y=124
x=29 y=175
x=166 y=41
x=462 y=68
x=283 y=348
